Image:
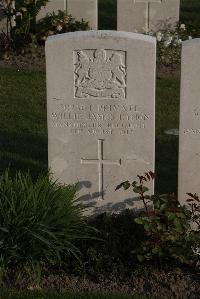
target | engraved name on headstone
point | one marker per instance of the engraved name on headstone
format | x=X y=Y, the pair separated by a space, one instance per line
x=101 y=113
x=147 y=15
x=189 y=133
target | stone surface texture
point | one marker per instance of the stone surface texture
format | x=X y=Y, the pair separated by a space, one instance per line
x=2 y=20
x=79 y=9
x=189 y=140
x=84 y=9
x=101 y=113
x=52 y=6
x=147 y=15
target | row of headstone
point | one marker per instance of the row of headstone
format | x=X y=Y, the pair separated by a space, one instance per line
x=147 y=15
x=79 y=9
x=101 y=114
x=132 y=15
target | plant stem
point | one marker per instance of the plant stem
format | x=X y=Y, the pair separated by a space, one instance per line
x=144 y=202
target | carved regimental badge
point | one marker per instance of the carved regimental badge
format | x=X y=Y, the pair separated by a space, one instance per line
x=100 y=74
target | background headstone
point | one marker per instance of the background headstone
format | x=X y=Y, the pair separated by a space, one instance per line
x=147 y=15
x=2 y=19
x=52 y=6
x=79 y=9
x=189 y=140
x=101 y=113
x=84 y=9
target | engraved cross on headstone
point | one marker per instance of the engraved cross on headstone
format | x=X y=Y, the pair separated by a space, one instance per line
x=100 y=162
x=148 y=3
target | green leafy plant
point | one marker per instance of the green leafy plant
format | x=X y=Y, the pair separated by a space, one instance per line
x=139 y=188
x=21 y=20
x=25 y=15
x=39 y=221
x=169 y=43
x=168 y=233
x=23 y=30
x=56 y=23
x=194 y=204
x=107 y=256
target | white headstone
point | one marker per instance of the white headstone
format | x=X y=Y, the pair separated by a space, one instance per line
x=189 y=140
x=147 y=15
x=3 y=26
x=101 y=113
x=84 y=9
x=79 y=9
x=52 y=6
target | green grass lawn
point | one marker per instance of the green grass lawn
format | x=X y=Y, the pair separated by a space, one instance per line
x=40 y=295
x=167 y=117
x=190 y=11
x=107 y=14
x=23 y=129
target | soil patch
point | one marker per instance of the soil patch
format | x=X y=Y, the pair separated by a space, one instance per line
x=29 y=59
x=156 y=283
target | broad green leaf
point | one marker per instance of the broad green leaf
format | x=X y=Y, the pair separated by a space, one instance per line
x=140 y=258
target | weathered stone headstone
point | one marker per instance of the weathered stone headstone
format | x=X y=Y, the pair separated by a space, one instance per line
x=79 y=9
x=189 y=140
x=2 y=19
x=147 y=15
x=101 y=102
x=84 y=9
x=52 y=6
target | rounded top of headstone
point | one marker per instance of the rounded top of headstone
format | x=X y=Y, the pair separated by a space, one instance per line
x=103 y=34
x=191 y=42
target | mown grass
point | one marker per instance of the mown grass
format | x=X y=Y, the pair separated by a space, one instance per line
x=107 y=14
x=167 y=117
x=23 y=125
x=43 y=295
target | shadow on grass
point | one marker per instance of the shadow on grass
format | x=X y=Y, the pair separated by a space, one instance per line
x=107 y=14
x=190 y=12
x=23 y=152
x=166 y=164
